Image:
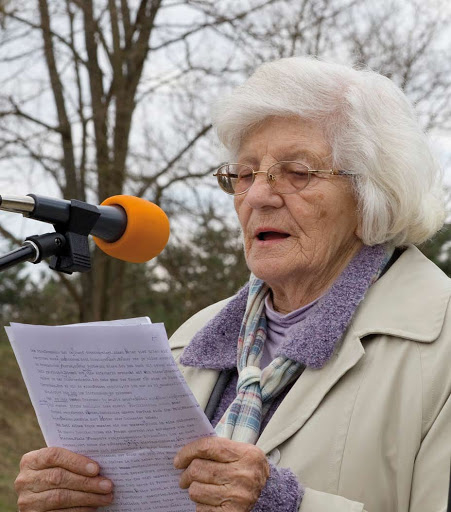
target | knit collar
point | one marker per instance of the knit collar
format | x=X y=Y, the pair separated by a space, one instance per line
x=311 y=342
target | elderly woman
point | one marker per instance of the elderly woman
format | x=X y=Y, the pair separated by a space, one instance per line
x=327 y=376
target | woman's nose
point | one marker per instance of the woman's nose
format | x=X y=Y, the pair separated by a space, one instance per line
x=260 y=194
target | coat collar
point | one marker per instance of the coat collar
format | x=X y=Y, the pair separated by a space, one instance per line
x=409 y=301
x=311 y=342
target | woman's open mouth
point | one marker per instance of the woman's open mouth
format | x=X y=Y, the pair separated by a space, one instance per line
x=271 y=236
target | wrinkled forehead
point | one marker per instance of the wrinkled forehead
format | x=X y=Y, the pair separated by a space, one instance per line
x=285 y=154
x=284 y=138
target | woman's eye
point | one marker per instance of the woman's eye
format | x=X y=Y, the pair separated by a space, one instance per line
x=244 y=175
x=299 y=174
x=296 y=174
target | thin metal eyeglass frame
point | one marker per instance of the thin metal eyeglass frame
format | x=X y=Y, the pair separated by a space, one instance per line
x=331 y=172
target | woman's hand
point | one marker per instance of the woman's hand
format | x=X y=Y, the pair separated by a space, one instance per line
x=222 y=474
x=55 y=479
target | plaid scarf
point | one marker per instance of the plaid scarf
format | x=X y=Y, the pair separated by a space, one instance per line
x=256 y=388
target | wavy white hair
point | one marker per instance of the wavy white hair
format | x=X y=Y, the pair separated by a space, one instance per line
x=371 y=129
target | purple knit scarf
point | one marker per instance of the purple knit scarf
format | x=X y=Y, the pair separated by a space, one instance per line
x=311 y=342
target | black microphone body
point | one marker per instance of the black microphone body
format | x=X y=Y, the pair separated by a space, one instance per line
x=109 y=226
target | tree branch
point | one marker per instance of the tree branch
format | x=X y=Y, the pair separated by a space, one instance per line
x=58 y=95
x=219 y=21
x=147 y=182
x=126 y=22
x=20 y=113
x=60 y=38
x=9 y=236
x=97 y=101
x=80 y=110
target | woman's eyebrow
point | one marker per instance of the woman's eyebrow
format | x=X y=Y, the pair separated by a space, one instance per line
x=248 y=160
x=301 y=155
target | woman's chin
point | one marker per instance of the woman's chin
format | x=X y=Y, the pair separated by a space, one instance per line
x=272 y=271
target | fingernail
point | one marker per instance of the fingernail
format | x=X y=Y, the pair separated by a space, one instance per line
x=91 y=468
x=108 y=498
x=105 y=485
x=176 y=462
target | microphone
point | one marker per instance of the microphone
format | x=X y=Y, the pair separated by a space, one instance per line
x=146 y=232
x=127 y=227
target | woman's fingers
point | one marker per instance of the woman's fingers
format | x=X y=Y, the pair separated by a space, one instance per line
x=207 y=494
x=222 y=473
x=57 y=499
x=54 y=479
x=59 y=457
x=209 y=448
x=77 y=509
x=205 y=471
x=59 y=478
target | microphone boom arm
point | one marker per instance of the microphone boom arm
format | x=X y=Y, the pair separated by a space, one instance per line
x=34 y=249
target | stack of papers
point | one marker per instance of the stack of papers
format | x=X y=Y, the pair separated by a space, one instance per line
x=113 y=392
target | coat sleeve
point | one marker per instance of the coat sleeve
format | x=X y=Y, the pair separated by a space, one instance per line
x=283 y=493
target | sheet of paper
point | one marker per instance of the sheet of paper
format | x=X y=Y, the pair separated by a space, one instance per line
x=125 y=321
x=115 y=394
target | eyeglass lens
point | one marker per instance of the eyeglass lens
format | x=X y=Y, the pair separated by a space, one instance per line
x=283 y=177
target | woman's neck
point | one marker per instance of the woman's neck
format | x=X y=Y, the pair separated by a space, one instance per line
x=314 y=282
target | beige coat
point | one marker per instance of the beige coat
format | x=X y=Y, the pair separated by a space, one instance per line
x=372 y=429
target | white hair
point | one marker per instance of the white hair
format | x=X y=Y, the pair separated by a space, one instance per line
x=371 y=129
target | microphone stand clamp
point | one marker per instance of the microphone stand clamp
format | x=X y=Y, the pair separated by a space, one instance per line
x=68 y=245
x=74 y=255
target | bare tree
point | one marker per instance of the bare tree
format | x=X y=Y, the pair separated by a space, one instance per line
x=113 y=96
x=408 y=42
x=85 y=61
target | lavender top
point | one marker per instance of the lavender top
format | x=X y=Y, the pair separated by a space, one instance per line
x=277 y=328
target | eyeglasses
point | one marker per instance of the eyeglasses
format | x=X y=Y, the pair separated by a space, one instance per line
x=282 y=177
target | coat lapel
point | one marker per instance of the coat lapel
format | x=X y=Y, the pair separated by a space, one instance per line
x=307 y=394
x=201 y=382
x=394 y=307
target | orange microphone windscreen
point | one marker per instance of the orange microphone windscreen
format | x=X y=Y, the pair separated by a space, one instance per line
x=146 y=234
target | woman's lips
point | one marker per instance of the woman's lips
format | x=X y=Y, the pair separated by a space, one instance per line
x=270 y=235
